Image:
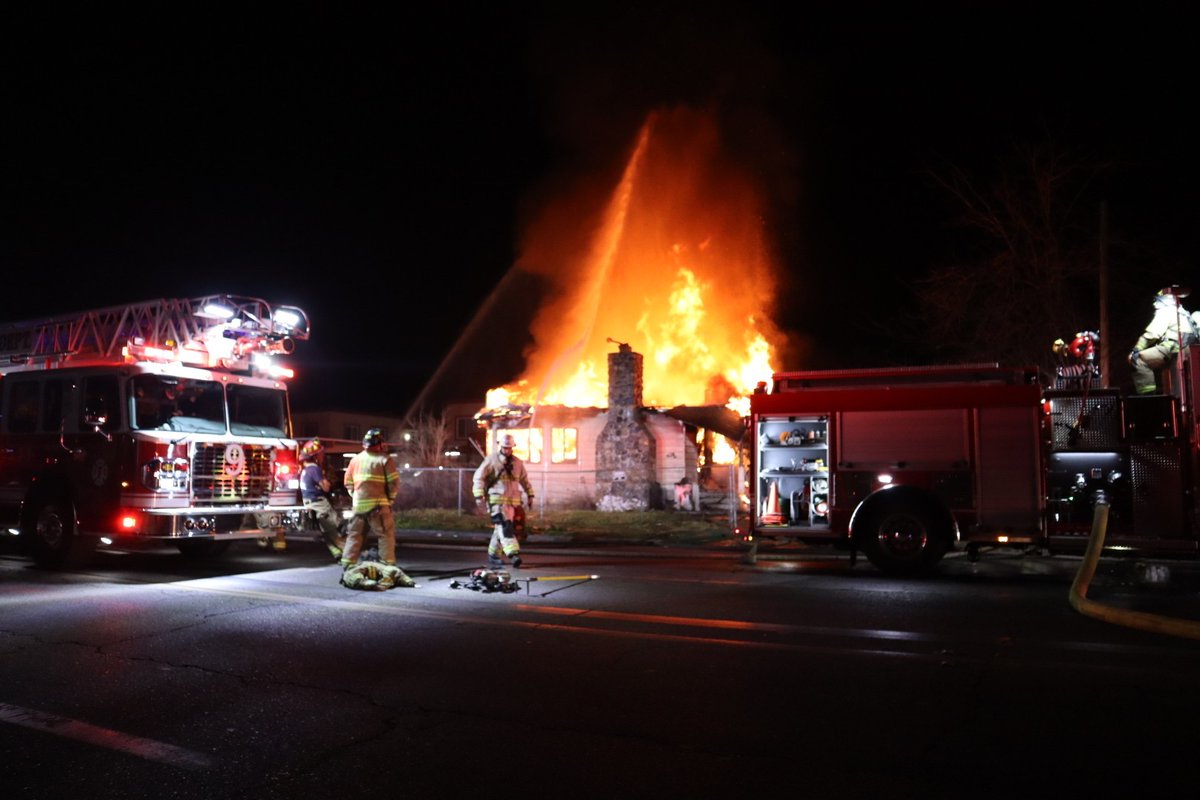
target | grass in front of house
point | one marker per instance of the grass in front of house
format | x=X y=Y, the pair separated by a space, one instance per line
x=633 y=525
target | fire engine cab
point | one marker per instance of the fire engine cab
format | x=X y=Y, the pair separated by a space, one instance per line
x=165 y=420
x=906 y=464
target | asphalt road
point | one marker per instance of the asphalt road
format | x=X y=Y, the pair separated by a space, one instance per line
x=673 y=672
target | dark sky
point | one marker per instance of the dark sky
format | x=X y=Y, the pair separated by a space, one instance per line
x=376 y=167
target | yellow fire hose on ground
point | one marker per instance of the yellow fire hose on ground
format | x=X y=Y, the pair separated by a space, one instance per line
x=576 y=578
x=1118 y=616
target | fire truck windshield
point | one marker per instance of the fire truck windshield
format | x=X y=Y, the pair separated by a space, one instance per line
x=168 y=403
x=256 y=411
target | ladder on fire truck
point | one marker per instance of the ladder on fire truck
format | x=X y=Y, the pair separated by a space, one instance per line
x=218 y=331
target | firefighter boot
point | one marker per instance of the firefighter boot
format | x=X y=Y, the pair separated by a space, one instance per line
x=516 y=560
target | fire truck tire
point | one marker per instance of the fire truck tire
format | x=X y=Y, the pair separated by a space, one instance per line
x=55 y=541
x=201 y=548
x=904 y=538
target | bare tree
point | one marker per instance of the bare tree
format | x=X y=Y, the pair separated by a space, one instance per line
x=430 y=437
x=1030 y=273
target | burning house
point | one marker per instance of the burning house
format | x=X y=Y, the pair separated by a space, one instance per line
x=674 y=262
x=626 y=457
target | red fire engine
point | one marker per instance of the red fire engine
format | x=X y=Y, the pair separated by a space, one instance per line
x=165 y=420
x=906 y=464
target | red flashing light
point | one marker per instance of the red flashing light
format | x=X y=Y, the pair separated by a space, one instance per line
x=128 y=522
x=286 y=470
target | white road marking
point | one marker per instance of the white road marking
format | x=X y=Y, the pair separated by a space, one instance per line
x=104 y=737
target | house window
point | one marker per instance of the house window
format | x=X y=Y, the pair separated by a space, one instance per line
x=529 y=444
x=564 y=445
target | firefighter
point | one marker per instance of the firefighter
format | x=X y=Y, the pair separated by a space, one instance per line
x=314 y=491
x=1159 y=345
x=372 y=481
x=497 y=487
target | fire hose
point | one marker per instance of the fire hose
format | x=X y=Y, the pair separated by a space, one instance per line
x=1131 y=619
x=578 y=578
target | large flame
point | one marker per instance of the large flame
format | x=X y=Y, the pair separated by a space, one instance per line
x=676 y=266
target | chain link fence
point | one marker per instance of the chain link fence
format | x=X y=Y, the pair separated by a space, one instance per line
x=718 y=491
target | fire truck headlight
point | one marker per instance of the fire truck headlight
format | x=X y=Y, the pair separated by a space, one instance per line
x=165 y=475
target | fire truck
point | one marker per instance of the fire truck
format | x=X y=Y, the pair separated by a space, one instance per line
x=160 y=421
x=907 y=464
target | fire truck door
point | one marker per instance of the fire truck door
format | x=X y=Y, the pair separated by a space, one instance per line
x=92 y=413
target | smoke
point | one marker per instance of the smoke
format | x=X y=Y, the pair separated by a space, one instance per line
x=674 y=261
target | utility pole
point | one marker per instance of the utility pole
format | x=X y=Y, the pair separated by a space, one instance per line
x=1104 y=345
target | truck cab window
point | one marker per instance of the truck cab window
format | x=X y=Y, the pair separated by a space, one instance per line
x=23 y=402
x=255 y=411
x=52 y=406
x=177 y=404
x=101 y=398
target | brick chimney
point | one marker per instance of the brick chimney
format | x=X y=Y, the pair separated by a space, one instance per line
x=625 y=450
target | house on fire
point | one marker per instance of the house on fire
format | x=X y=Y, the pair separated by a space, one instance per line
x=627 y=457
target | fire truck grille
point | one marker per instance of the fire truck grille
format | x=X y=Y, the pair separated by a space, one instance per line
x=231 y=473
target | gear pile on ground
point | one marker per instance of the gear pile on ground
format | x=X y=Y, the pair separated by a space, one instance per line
x=487 y=581
x=374 y=576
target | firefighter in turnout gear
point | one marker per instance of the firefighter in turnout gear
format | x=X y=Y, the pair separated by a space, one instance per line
x=1159 y=345
x=497 y=487
x=314 y=491
x=372 y=481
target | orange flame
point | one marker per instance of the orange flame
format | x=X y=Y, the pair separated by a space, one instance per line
x=677 y=267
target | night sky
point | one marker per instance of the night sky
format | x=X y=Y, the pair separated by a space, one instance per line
x=377 y=167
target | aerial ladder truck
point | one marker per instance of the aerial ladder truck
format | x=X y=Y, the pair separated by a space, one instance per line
x=159 y=421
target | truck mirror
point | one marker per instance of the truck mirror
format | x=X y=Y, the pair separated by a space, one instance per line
x=95 y=418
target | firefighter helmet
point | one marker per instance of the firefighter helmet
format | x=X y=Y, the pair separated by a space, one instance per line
x=373 y=437
x=312 y=449
x=507 y=440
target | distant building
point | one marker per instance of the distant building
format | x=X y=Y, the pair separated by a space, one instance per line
x=346 y=428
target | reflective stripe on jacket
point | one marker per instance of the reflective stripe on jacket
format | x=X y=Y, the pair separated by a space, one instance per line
x=501 y=481
x=372 y=481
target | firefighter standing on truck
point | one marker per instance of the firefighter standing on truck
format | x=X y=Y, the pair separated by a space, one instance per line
x=372 y=481
x=1159 y=344
x=314 y=491
x=497 y=487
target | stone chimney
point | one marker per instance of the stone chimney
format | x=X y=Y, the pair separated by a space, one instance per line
x=625 y=450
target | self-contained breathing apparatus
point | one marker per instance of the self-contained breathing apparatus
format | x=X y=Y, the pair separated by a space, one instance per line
x=488 y=581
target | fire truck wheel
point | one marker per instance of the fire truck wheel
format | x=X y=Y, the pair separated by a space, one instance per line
x=55 y=541
x=904 y=538
x=201 y=548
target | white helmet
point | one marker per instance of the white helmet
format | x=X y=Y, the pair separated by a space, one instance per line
x=507 y=440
